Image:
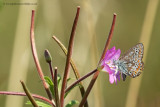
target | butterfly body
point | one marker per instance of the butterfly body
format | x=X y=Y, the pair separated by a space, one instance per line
x=130 y=63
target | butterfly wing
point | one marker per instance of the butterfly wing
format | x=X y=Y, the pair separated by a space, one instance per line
x=133 y=60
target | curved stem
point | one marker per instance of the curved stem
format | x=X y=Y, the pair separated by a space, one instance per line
x=35 y=56
x=69 y=57
x=75 y=70
x=30 y=97
x=109 y=37
x=103 y=55
x=24 y=94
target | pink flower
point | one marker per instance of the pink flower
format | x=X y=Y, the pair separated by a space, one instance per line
x=107 y=64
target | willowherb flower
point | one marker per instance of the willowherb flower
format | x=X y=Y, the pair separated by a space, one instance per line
x=107 y=64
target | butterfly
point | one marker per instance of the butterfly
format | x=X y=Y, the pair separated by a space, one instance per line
x=130 y=63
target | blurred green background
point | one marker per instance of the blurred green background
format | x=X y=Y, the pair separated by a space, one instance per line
x=55 y=17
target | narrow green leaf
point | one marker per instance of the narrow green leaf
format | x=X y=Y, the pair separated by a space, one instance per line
x=40 y=104
x=30 y=97
x=51 y=85
x=70 y=79
x=71 y=103
x=48 y=80
x=59 y=82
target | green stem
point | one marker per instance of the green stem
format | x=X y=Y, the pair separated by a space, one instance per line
x=30 y=97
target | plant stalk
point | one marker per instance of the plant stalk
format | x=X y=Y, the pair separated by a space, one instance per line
x=103 y=55
x=64 y=83
x=35 y=56
x=80 y=79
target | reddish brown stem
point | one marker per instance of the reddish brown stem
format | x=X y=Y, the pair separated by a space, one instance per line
x=80 y=79
x=51 y=70
x=69 y=57
x=109 y=37
x=24 y=94
x=35 y=56
x=48 y=58
x=75 y=70
x=103 y=55
x=56 y=88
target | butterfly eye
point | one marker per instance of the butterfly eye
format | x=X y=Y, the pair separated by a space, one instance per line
x=136 y=66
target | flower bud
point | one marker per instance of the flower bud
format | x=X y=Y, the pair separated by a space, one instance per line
x=47 y=56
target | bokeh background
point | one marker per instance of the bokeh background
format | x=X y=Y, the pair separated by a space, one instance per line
x=137 y=21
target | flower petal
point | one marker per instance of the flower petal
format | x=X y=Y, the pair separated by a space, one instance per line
x=115 y=79
x=111 y=78
x=113 y=48
x=107 y=64
x=118 y=75
x=107 y=69
x=116 y=55
x=110 y=53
